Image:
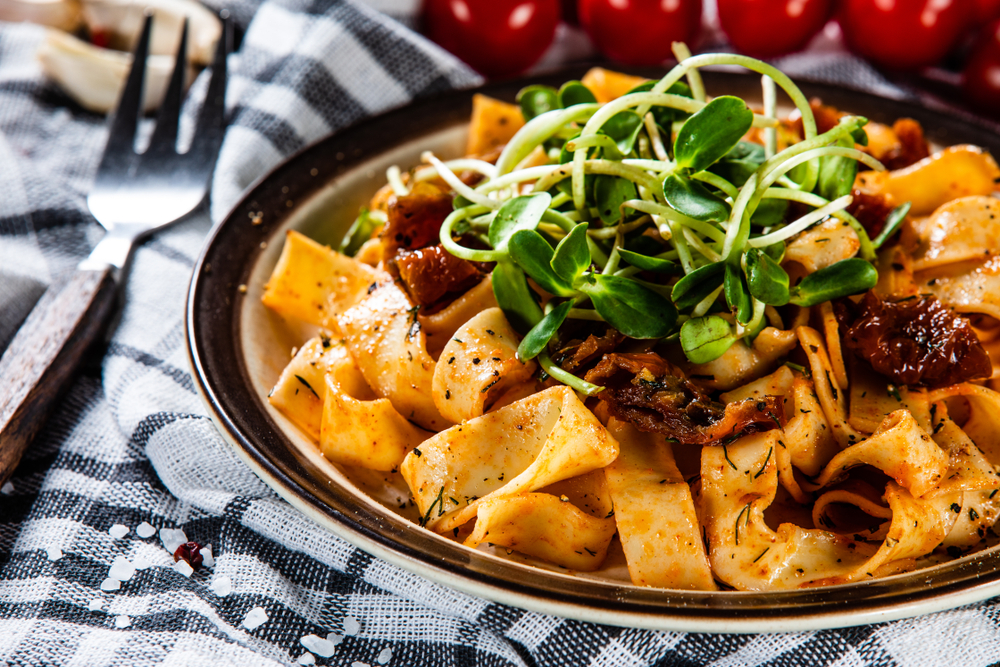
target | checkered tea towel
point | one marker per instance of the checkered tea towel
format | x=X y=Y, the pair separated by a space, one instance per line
x=129 y=465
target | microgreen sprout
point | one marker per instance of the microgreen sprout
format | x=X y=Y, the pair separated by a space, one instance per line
x=678 y=240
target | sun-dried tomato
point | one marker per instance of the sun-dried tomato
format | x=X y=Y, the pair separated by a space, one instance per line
x=912 y=145
x=575 y=356
x=871 y=210
x=433 y=273
x=655 y=396
x=190 y=552
x=414 y=220
x=916 y=341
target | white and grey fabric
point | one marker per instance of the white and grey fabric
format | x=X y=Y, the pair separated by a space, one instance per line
x=131 y=442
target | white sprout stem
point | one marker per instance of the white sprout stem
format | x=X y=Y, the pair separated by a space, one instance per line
x=682 y=53
x=700 y=246
x=378 y=216
x=474 y=255
x=784 y=157
x=867 y=250
x=654 y=137
x=536 y=131
x=702 y=228
x=803 y=223
x=739 y=213
x=706 y=303
x=680 y=243
x=769 y=94
x=515 y=177
x=463 y=164
x=608 y=167
x=611 y=232
x=752 y=64
x=456 y=183
x=599 y=140
x=718 y=181
x=650 y=165
x=395 y=179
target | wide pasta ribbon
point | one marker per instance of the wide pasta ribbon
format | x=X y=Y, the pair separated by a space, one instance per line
x=532 y=443
x=477 y=365
x=385 y=340
x=315 y=284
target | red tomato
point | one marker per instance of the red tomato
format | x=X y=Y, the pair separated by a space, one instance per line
x=768 y=28
x=903 y=34
x=640 y=32
x=981 y=77
x=985 y=10
x=495 y=37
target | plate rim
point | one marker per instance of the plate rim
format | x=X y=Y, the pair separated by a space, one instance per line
x=251 y=448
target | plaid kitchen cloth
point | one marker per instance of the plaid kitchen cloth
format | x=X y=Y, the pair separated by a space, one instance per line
x=130 y=463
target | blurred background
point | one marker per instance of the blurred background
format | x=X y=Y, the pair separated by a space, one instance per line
x=947 y=51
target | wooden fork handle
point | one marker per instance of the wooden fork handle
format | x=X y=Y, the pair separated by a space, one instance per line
x=42 y=358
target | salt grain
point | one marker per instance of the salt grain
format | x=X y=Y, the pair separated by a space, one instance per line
x=324 y=648
x=335 y=638
x=145 y=530
x=351 y=626
x=122 y=621
x=53 y=553
x=255 y=618
x=121 y=569
x=222 y=586
x=7 y=489
x=208 y=560
x=183 y=567
x=118 y=531
x=384 y=656
x=97 y=604
x=360 y=664
x=172 y=538
x=307 y=659
x=141 y=563
x=110 y=585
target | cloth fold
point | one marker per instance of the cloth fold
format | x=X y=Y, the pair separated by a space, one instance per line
x=131 y=442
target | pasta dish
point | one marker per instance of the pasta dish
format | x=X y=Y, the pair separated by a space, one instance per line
x=724 y=347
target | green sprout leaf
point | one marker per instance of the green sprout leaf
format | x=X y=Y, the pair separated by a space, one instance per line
x=737 y=296
x=360 y=231
x=770 y=212
x=624 y=128
x=533 y=254
x=893 y=222
x=767 y=281
x=633 y=309
x=844 y=278
x=514 y=296
x=712 y=132
x=666 y=116
x=540 y=335
x=740 y=162
x=574 y=92
x=705 y=339
x=572 y=256
x=693 y=288
x=610 y=192
x=646 y=263
x=536 y=100
x=837 y=173
x=516 y=214
x=693 y=199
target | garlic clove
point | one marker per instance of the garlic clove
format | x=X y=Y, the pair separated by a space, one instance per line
x=61 y=14
x=94 y=76
x=121 y=22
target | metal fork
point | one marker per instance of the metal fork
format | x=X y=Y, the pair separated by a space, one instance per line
x=133 y=195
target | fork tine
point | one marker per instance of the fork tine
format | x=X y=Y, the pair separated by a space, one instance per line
x=164 y=137
x=212 y=117
x=121 y=135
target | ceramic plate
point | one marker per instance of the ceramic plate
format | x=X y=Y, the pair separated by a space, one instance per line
x=238 y=349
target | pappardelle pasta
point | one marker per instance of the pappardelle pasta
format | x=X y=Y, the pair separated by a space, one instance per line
x=635 y=324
